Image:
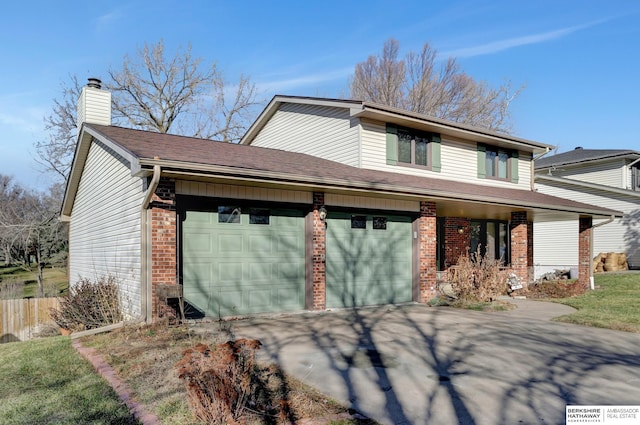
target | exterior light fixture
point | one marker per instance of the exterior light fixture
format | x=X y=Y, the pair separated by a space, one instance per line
x=460 y=229
x=322 y=212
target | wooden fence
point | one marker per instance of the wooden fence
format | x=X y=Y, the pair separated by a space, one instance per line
x=21 y=319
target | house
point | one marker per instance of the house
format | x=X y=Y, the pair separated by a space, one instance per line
x=606 y=177
x=325 y=203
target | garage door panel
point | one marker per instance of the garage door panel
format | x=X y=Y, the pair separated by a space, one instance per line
x=368 y=266
x=243 y=267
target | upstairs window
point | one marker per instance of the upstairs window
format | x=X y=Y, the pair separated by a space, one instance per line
x=413 y=148
x=498 y=164
x=635 y=178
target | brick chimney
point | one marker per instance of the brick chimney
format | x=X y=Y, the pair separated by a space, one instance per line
x=94 y=104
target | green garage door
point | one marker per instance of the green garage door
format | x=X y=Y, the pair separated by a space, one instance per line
x=243 y=260
x=368 y=259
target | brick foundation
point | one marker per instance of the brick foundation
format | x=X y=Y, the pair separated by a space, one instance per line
x=318 y=256
x=455 y=242
x=164 y=239
x=427 y=246
x=520 y=245
x=584 y=251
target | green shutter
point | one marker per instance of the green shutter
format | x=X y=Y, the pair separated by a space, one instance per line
x=435 y=153
x=514 y=167
x=482 y=165
x=392 y=144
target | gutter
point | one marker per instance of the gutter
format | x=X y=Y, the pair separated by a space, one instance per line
x=145 y=275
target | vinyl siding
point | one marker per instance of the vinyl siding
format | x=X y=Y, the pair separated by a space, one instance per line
x=184 y=187
x=619 y=236
x=555 y=246
x=609 y=173
x=321 y=131
x=459 y=160
x=362 y=202
x=104 y=232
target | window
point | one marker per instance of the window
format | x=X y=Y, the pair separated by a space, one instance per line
x=498 y=164
x=413 y=148
x=635 y=178
x=227 y=214
x=358 y=221
x=491 y=237
x=259 y=216
x=380 y=223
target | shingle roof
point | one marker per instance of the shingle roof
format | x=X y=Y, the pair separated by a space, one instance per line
x=192 y=154
x=582 y=155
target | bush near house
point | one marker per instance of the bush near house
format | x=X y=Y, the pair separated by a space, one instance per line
x=478 y=278
x=89 y=304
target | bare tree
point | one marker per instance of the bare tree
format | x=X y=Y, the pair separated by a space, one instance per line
x=180 y=95
x=151 y=91
x=55 y=153
x=29 y=229
x=417 y=84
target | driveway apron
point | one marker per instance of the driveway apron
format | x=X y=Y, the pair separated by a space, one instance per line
x=414 y=364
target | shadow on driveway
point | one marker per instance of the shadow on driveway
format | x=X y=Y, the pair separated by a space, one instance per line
x=413 y=364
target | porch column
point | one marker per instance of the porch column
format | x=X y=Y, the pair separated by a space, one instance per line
x=585 y=228
x=317 y=298
x=520 y=245
x=428 y=246
x=164 y=245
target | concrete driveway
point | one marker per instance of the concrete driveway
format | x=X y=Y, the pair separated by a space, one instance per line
x=413 y=364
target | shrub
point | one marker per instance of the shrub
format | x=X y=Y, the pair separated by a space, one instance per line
x=561 y=288
x=478 y=278
x=219 y=380
x=89 y=304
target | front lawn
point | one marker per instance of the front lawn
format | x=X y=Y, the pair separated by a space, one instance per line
x=614 y=304
x=46 y=382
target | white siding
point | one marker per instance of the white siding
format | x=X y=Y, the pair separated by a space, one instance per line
x=94 y=106
x=104 y=232
x=622 y=235
x=459 y=159
x=321 y=131
x=217 y=190
x=610 y=173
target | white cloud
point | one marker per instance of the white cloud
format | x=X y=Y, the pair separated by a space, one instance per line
x=500 y=45
x=310 y=80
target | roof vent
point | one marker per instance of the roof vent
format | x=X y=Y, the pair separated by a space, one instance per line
x=95 y=83
x=578 y=148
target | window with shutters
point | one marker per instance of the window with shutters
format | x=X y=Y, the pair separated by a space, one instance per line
x=497 y=164
x=413 y=148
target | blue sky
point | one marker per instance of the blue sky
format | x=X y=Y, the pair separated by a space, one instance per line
x=579 y=60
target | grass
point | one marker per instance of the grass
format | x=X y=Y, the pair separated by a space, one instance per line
x=145 y=358
x=55 y=279
x=46 y=382
x=615 y=304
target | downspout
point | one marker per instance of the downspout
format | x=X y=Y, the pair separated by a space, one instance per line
x=533 y=168
x=609 y=220
x=145 y=275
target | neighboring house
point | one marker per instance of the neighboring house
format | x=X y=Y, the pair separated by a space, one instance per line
x=605 y=177
x=325 y=203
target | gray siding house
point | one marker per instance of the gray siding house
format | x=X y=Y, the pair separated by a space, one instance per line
x=325 y=203
x=605 y=177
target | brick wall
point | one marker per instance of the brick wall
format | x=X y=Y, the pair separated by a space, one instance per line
x=164 y=237
x=520 y=245
x=456 y=243
x=318 y=257
x=585 y=227
x=427 y=251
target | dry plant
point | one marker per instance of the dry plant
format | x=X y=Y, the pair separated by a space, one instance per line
x=219 y=380
x=89 y=304
x=11 y=289
x=559 y=288
x=479 y=278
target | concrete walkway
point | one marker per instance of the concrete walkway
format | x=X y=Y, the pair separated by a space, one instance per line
x=414 y=364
